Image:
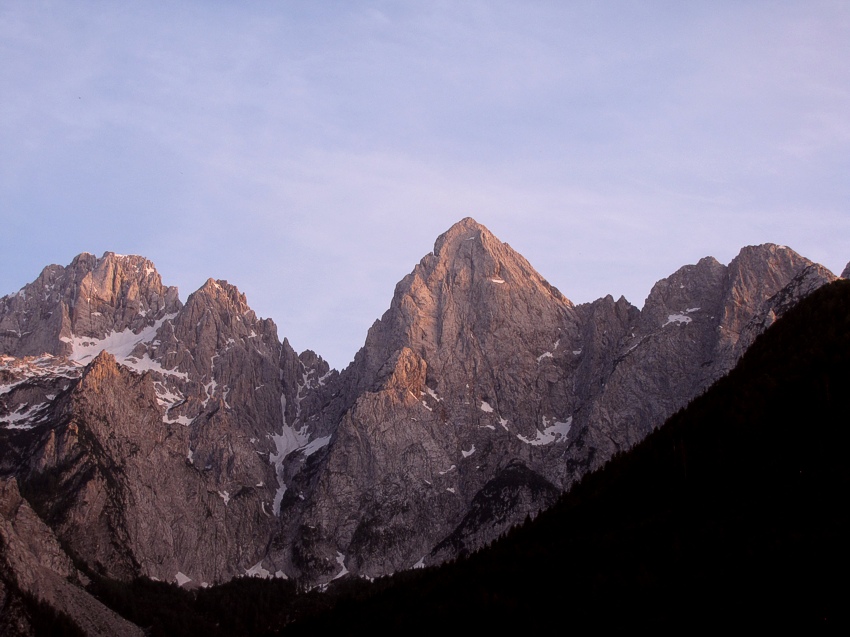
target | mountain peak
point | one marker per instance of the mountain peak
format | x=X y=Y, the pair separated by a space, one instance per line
x=473 y=295
x=92 y=298
x=466 y=229
x=222 y=293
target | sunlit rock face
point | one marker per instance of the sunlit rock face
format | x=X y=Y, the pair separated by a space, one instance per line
x=89 y=299
x=188 y=443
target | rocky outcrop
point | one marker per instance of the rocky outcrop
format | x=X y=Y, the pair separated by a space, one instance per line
x=481 y=370
x=160 y=456
x=447 y=391
x=187 y=443
x=32 y=562
x=115 y=482
x=91 y=299
x=688 y=334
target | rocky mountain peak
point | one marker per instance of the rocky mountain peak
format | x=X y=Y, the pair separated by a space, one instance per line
x=215 y=317
x=755 y=275
x=222 y=292
x=89 y=299
x=479 y=395
x=845 y=274
x=467 y=300
x=103 y=366
x=114 y=293
x=765 y=265
x=469 y=246
x=698 y=286
x=463 y=230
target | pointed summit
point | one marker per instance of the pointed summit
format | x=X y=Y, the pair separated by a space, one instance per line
x=473 y=293
x=463 y=362
x=91 y=298
x=464 y=230
x=470 y=245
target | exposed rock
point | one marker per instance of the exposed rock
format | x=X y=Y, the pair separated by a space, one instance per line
x=188 y=443
x=514 y=492
x=132 y=501
x=33 y=560
x=90 y=299
x=480 y=365
x=171 y=473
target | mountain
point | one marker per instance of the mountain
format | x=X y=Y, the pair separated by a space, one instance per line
x=40 y=589
x=483 y=393
x=142 y=430
x=731 y=514
x=187 y=443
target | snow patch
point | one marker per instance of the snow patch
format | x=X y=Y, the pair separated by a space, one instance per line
x=485 y=407
x=442 y=473
x=182 y=579
x=466 y=454
x=551 y=433
x=314 y=445
x=340 y=559
x=420 y=563
x=258 y=571
x=450 y=489
x=432 y=394
x=180 y=420
x=544 y=355
x=680 y=319
x=496 y=280
x=120 y=345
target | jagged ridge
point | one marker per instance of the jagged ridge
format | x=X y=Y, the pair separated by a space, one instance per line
x=480 y=393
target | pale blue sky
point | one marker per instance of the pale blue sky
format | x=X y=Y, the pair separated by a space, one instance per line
x=311 y=152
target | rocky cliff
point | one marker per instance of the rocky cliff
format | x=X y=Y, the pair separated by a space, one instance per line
x=188 y=443
x=34 y=566
x=483 y=392
x=148 y=438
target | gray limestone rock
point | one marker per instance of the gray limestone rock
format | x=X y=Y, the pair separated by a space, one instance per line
x=166 y=460
x=186 y=442
x=31 y=557
x=480 y=365
x=89 y=299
